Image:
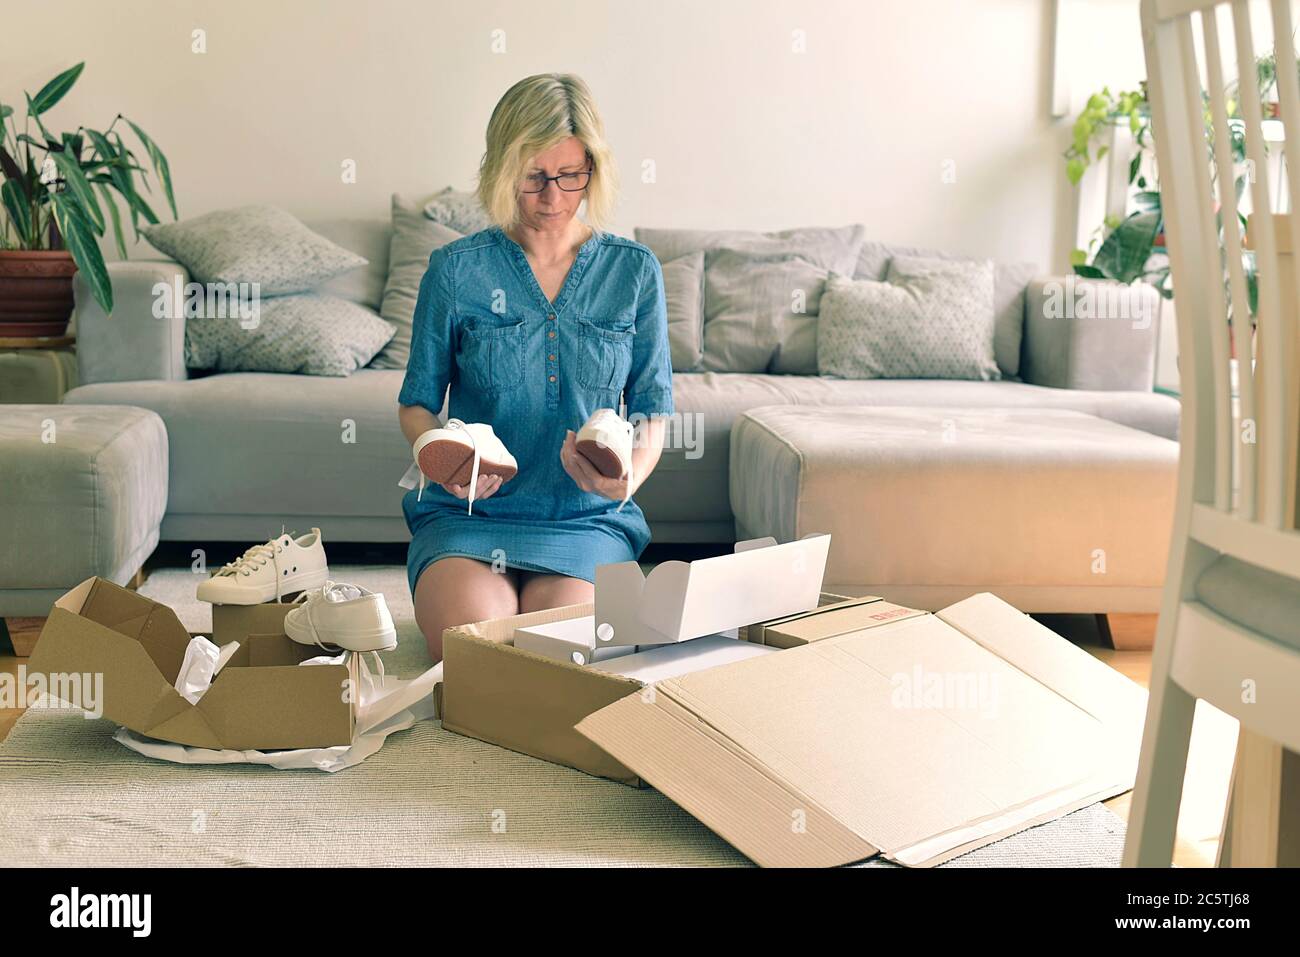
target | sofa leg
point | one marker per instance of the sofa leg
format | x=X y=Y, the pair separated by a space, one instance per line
x=1128 y=632
x=1103 y=630
x=23 y=633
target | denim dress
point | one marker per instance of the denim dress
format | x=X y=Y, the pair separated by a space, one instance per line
x=533 y=369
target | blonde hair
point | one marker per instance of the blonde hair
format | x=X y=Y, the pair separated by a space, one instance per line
x=534 y=115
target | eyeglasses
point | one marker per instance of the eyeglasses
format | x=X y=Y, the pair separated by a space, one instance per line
x=569 y=182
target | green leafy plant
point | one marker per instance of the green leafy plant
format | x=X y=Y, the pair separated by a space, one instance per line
x=58 y=191
x=1132 y=248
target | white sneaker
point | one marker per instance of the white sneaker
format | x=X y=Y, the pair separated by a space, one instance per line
x=606 y=442
x=342 y=616
x=459 y=453
x=266 y=572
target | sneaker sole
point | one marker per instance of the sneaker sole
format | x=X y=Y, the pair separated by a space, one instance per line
x=452 y=463
x=602 y=457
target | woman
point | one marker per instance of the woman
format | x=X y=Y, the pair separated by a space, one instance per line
x=534 y=323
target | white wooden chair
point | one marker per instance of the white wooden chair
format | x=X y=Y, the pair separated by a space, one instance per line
x=1229 y=628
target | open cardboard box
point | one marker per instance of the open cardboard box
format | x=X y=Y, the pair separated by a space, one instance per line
x=261 y=700
x=529 y=703
x=875 y=729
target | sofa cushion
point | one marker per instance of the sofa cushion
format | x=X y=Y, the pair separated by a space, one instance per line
x=929 y=319
x=1261 y=600
x=830 y=248
x=343 y=435
x=260 y=449
x=1009 y=282
x=368 y=237
x=684 y=294
x=835 y=248
x=761 y=312
x=457 y=210
x=306 y=334
x=414 y=238
x=253 y=244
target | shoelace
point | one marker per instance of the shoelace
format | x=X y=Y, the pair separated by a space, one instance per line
x=627 y=490
x=248 y=562
x=365 y=672
x=473 y=477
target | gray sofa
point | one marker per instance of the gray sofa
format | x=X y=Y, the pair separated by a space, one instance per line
x=252 y=451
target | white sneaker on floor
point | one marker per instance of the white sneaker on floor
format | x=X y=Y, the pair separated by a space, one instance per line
x=606 y=442
x=459 y=453
x=269 y=571
x=341 y=615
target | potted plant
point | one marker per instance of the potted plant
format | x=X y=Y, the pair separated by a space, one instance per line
x=1132 y=248
x=57 y=196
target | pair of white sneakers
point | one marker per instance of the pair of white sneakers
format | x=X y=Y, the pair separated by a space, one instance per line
x=328 y=613
x=458 y=453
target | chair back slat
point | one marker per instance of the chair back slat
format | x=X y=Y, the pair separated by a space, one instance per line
x=1209 y=262
x=1270 y=406
x=1232 y=242
x=1283 y=354
x=1264 y=241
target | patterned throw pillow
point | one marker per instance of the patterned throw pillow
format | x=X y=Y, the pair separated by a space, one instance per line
x=459 y=211
x=261 y=244
x=415 y=237
x=308 y=334
x=1009 y=282
x=929 y=319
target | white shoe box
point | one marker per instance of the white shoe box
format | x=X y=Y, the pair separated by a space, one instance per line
x=573 y=640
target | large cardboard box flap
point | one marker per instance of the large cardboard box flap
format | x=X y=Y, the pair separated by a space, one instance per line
x=103 y=629
x=920 y=738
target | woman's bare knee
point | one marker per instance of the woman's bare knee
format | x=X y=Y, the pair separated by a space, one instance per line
x=540 y=591
x=456 y=591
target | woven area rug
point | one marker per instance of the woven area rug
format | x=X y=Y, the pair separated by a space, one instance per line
x=72 y=796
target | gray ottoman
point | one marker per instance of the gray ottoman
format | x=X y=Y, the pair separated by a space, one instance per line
x=1051 y=510
x=84 y=491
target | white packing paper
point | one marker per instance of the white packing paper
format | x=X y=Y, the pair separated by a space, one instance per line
x=397 y=706
x=202 y=661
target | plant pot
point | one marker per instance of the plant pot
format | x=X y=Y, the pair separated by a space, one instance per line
x=35 y=292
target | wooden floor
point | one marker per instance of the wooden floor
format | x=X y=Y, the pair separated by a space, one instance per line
x=1209 y=762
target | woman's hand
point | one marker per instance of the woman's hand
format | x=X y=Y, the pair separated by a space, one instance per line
x=487 y=486
x=585 y=474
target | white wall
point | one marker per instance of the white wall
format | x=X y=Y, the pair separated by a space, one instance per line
x=743 y=131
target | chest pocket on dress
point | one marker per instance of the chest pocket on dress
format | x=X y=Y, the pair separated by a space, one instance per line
x=491 y=355
x=604 y=352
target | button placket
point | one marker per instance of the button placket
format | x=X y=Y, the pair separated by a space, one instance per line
x=552 y=309
x=552 y=365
